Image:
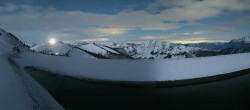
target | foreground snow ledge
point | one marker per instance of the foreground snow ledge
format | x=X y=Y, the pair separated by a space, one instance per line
x=138 y=70
x=18 y=91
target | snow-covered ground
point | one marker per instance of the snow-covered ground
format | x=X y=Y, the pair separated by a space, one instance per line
x=18 y=91
x=139 y=70
x=13 y=94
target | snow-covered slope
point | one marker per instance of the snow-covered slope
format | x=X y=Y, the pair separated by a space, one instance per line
x=10 y=44
x=108 y=49
x=79 y=49
x=94 y=49
x=162 y=49
x=122 y=47
x=79 y=43
x=241 y=40
x=153 y=49
x=13 y=94
x=60 y=48
x=103 y=51
x=209 y=46
x=17 y=90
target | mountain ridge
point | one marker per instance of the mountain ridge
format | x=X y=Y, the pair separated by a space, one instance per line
x=151 y=49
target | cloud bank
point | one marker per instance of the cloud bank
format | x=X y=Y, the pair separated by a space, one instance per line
x=23 y=18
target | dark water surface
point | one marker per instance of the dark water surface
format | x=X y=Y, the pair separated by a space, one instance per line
x=71 y=93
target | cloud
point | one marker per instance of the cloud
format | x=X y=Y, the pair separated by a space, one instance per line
x=231 y=26
x=190 y=10
x=95 y=40
x=50 y=18
x=186 y=10
x=161 y=37
x=177 y=38
x=14 y=7
x=194 y=33
x=238 y=24
x=194 y=40
x=154 y=37
x=32 y=19
x=8 y=7
x=105 y=31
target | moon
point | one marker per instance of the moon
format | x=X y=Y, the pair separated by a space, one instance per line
x=52 y=41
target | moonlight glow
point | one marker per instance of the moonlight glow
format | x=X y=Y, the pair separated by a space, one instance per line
x=52 y=41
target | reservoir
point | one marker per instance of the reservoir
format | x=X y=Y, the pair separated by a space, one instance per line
x=72 y=93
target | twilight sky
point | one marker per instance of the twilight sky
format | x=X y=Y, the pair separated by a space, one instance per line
x=180 y=21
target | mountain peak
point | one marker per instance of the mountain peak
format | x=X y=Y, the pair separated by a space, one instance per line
x=155 y=44
x=241 y=40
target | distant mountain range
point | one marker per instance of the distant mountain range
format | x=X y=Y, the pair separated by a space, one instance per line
x=89 y=50
x=152 y=49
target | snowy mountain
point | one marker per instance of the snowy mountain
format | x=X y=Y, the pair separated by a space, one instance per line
x=153 y=49
x=79 y=43
x=60 y=48
x=241 y=40
x=126 y=48
x=79 y=49
x=11 y=44
x=208 y=46
x=241 y=45
x=235 y=50
x=156 y=49
x=217 y=46
x=103 y=51
x=97 y=49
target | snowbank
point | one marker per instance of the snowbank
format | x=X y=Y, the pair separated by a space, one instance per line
x=18 y=91
x=13 y=94
x=139 y=70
